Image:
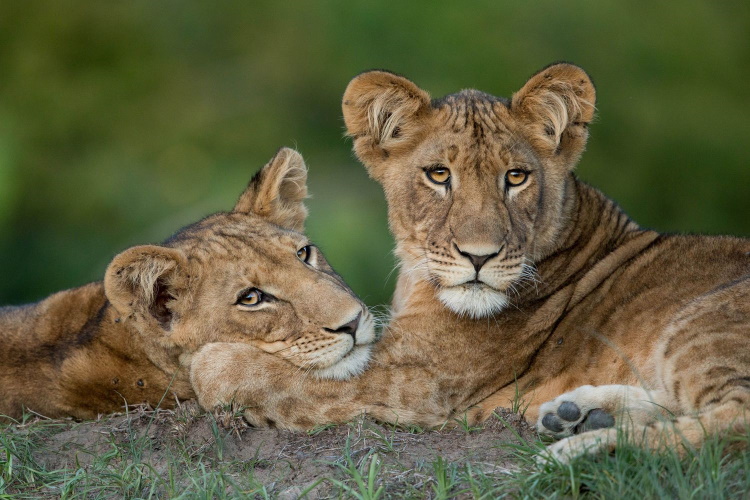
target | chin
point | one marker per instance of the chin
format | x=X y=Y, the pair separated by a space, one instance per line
x=350 y=365
x=473 y=301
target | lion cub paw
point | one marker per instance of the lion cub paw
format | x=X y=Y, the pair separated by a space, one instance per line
x=589 y=408
x=568 y=449
x=572 y=414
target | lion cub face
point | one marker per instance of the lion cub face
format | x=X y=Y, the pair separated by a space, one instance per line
x=475 y=184
x=248 y=276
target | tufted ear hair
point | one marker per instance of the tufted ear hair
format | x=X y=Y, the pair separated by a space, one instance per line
x=276 y=193
x=145 y=282
x=382 y=112
x=555 y=107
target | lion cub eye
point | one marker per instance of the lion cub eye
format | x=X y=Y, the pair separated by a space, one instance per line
x=304 y=253
x=251 y=297
x=516 y=177
x=438 y=174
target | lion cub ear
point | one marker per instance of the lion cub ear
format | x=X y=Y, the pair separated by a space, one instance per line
x=276 y=193
x=145 y=282
x=555 y=107
x=383 y=113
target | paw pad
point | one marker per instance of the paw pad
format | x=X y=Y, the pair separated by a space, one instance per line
x=551 y=422
x=569 y=411
x=596 y=419
x=568 y=419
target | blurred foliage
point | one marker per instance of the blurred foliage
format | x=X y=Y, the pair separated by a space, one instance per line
x=122 y=121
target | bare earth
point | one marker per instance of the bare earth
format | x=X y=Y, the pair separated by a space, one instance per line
x=180 y=445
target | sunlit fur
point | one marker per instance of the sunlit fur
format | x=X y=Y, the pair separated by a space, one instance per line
x=130 y=339
x=306 y=302
x=479 y=138
x=590 y=298
x=335 y=356
x=473 y=300
x=353 y=363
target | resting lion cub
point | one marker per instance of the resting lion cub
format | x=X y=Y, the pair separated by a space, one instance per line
x=246 y=276
x=516 y=277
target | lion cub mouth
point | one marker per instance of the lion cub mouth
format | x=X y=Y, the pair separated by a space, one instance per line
x=350 y=365
x=474 y=299
x=340 y=358
x=354 y=361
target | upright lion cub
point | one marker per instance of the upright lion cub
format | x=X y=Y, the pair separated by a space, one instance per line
x=517 y=279
x=246 y=276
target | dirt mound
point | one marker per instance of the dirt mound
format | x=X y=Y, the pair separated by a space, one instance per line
x=326 y=461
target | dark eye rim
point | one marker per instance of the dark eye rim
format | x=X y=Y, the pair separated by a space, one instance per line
x=262 y=297
x=433 y=168
x=526 y=174
x=308 y=253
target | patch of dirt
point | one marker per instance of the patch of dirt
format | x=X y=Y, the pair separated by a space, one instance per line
x=285 y=462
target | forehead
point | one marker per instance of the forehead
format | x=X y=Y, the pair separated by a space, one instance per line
x=235 y=236
x=476 y=127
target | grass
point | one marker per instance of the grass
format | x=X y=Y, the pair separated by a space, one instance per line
x=364 y=476
x=464 y=425
x=124 y=469
x=711 y=472
x=445 y=477
x=191 y=455
x=519 y=404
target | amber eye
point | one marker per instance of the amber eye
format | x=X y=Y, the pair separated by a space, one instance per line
x=516 y=177
x=304 y=253
x=438 y=175
x=251 y=297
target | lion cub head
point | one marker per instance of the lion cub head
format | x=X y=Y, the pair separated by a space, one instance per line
x=249 y=276
x=476 y=185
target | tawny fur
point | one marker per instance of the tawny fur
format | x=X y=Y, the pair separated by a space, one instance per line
x=128 y=340
x=588 y=296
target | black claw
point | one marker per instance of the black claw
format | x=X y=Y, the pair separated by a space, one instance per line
x=551 y=422
x=569 y=411
x=596 y=419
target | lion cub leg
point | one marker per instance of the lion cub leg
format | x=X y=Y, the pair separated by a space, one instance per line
x=703 y=368
x=597 y=407
x=682 y=433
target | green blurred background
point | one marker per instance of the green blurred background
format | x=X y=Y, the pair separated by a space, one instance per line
x=122 y=121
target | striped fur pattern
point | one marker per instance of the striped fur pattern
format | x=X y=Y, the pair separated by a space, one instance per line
x=542 y=288
x=130 y=339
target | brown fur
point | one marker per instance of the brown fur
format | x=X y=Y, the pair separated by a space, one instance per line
x=100 y=347
x=572 y=291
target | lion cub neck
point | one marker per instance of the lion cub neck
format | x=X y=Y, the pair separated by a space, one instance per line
x=72 y=355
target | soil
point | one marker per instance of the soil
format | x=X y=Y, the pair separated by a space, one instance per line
x=286 y=463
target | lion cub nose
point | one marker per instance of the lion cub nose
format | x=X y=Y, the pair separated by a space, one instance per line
x=350 y=327
x=477 y=260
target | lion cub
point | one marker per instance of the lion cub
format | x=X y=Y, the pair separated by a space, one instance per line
x=246 y=276
x=520 y=284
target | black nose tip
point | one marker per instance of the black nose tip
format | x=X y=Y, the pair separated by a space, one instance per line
x=477 y=260
x=350 y=327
